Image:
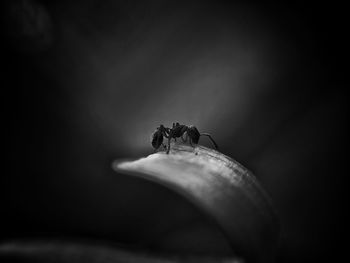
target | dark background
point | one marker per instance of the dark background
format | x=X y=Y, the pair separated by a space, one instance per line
x=85 y=82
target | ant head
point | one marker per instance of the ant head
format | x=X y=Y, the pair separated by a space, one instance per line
x=161 y=127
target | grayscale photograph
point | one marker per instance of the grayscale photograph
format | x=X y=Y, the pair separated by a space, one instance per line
x=173 y=131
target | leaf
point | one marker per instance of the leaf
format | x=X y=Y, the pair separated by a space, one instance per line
x=222 y=188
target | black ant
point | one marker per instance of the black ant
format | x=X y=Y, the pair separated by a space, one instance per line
x=178 y=131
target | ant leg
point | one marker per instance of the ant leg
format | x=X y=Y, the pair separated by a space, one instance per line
x=190 y=140
x=212 y=140
x=184 y=140
x=167 y=151
x=166 y=134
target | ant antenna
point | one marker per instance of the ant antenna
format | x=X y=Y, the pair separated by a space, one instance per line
x=212 y=140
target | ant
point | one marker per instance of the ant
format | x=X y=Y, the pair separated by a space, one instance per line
x=178 y=130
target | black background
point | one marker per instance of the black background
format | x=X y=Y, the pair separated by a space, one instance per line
x=85 y=82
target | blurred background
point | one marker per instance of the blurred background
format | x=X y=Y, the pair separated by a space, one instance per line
x=86 y=82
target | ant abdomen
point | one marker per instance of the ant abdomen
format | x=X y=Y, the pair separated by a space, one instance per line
x=157 y=139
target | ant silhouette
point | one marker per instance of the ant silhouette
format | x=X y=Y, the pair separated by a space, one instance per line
x=178 y=131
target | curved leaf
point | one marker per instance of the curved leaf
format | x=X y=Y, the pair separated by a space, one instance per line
x=222 y=188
